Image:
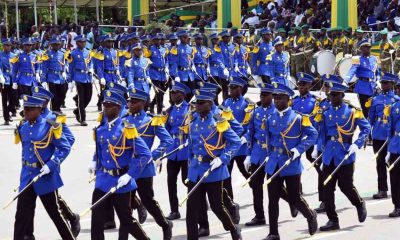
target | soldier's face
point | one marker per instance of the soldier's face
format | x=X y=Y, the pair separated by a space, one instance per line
x=177 y=97
x=137 y=52
x=136 y=105
x=81 y=44
x=214 y=41
x=239 y=40
x=55 y=46
x=199 y=41
x=265 y=99
x=281 y=101
x=304 y=87
x=365 y=50
x=203 y=107
x=386 y=86
x=111 y=110
x=397 y=88
x=7 y=48
x=108 y=44
x=226 y=39
x=279 y=48
x=27 y=47
x=235 y=91
x=184 y=39
x=32 y=113
x=173 y=42
x=336 y=98
x=266 y=37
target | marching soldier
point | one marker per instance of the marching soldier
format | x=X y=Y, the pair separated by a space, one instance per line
x=278 y=63
x=200 y=59
x=241 y=109
x=119 y=141
x=378 y=119
x=177 y=116
x=72 y=217
x=366 y=68
x=288 y=135
x=81 y=71
x=257 y=152
x=392 y=155
x=186 y=67
x=218 y=144
x=227 y=49
x=107 y=65
x=260 y=53
x=240 y=60
x=54 y=73
x=387 y=48
x=338 y=125
x=25 y=69
x=148 y=128
x=137 y=70
x=40 y=175
x=7 y=93
x=157 y=72
x=172 y=57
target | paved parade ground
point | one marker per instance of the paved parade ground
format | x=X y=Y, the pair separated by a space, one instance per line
x=77 y=192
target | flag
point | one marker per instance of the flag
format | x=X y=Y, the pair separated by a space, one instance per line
x=185 y=15
x=344 y=13
x=138 y=7
x=229 y=11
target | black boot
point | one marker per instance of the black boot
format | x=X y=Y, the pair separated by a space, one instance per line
x=362 y=212
x=174 y=216
x=26 y=237
x=203 y=232
x=293 y=211
x=75 y=225
x=167 y=231
x=142 y=213
x=234 y=212
x=395 y=213
x=380 y=195
x=75 y=112
x=330 y=226
x=236 y=234
x=272 y=237
x=312 y=223
x=321 y=208
x=255 y=222
x=109 y=225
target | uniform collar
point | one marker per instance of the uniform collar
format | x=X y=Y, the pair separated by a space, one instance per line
x=237 y=99
x=388 y=93
x=305 y=96
x=283 y=113
x=112 y=123
x=38 y=120
x=338 y=107
x=138 y=113
x=209 y=115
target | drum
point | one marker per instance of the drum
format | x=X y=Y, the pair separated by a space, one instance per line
x=323 y=62
x=343 y=67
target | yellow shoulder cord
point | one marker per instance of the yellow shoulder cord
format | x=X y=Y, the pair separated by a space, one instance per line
x=182 y=124
x=145 y=130
x=348 y=132
x=120 y=150
x=284 y=133
x=209 y=148
x=42 y=144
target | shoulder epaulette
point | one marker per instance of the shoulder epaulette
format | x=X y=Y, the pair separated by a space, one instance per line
x=157 y=121
x=14 y=59
x=256 y=49
x=61 y=118
x=226 y=113
x=130 y=131
x=17 y=137
x=57 y=128
x=368 y=104
x=355 y=60
x=222 y=123
x=99 y=117
x=269 y=57
x=305 y=120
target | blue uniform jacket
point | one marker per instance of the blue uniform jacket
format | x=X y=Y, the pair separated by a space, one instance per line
x=173 y=61
x=185 y=61
x=279 y=67
x=203 y=137
x=148 y=128
x=377 y=119
x=216 y=62
x=53 y=66
x=24 y=69
x=158 y=62
x=79 y=64
x=137 y=73
x=344 y=120
x=52 y=155
x=108 y=65
x=292 y=130
x=227 y=50
x=394 y=143
x=200 y=62
x=133 y=156
x=177 y=117
x=366 y=69
x=259 y=59
x=240 y=58
x=5 y=66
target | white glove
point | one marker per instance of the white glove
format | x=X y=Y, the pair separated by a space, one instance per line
x=2 y=80
x=295 y=153
x=352 y=149
x=208 y=70
x=130 y=85
x=243 y=140
x=118 y=73
x=314 y=153
x=44 y=85
x=248 y=70
x=194 y=68
x=64 y=75
x=216 y=163
x=257 y=78
x=378 y=85
x=123 y=83
x=226 y=72
x=148 y=80
x=37 y=77
x=102 y=81
x=91 y=71
x=387 y=158
x=236 y=69
x=167 y=70
x=247 y=163
x=45 y=170
x=71 y=86
x=123 y=180
x=15 y=86
x=177 y=79
x=92 y=167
